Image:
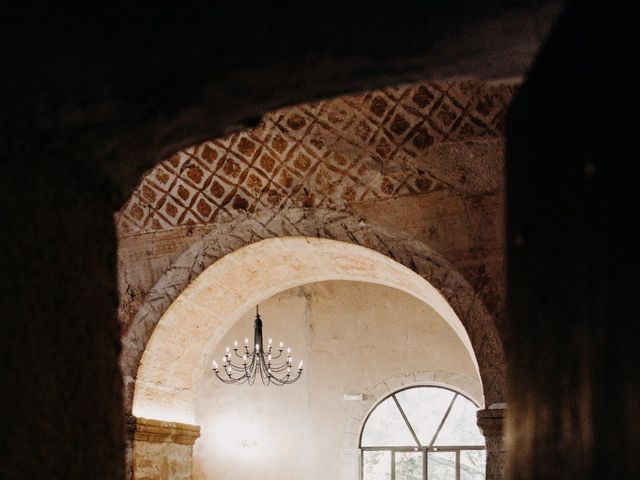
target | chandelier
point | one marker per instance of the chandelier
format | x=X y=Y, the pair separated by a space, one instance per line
x=244 y=366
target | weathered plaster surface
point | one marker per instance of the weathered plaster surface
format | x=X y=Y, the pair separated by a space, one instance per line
x=354 y=337
x=165 y=385
x=448 y=292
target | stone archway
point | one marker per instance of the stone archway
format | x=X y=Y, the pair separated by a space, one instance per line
x=475 y=325
x=226 y=238
x=177 y=352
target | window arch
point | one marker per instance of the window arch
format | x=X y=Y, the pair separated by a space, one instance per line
x=422 y=433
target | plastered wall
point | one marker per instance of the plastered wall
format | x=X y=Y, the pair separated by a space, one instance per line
x=354 y=338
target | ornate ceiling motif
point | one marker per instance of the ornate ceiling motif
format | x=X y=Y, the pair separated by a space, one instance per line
x=327 y=154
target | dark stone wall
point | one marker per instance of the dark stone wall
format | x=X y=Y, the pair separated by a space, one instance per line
x=93 y=96
x=61 y=388
x=137 y=84
x=573 y=266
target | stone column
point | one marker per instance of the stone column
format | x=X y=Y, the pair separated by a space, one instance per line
x=491 y=422
x=163 y=450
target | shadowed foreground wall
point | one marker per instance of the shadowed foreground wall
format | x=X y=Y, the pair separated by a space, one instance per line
x=88 y=114
x=61 y=388
x=574 y=269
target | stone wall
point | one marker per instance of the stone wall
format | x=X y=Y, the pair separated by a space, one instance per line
x=163 y=450
x=491 y=422
x=423 y=159
x=419 y=164
x=200 y=262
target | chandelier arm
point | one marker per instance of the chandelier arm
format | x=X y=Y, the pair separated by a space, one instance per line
x=253 y=361
x=231 y=380
x=252 y=378
x=235 y=350
x=289 y=381
x=293 y=380
x=231 y=377
x=279 y=370
x=281 y=364
x=236 y=367
x=275 y=357
x=249 y=368
x=237 y=370
x=264 y=376
x=268 y=377
x=277 y=381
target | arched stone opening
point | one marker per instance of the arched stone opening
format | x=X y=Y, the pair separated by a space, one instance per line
x=152 y=396
x=415 y=256
x=227 y=229
x=214 y=301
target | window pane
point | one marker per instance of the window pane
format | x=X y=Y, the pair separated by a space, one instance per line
x=409 y=466
x=460 y=427
x=376 y=465
x=424 y=408
x=472 y=464
x=441 y=466
x=386 y=427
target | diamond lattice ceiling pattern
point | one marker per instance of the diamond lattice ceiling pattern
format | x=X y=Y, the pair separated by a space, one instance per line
x=327 y=154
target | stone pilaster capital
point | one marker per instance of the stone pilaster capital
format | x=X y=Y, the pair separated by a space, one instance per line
x=129 y=425
x=491 y=421
x=158 y=431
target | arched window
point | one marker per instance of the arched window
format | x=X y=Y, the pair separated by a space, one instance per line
x=422 y=433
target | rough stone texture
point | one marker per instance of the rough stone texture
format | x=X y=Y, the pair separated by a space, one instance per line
x=382 y=144
x=491 y=423
x=467 y=230
x=166 y=383
x=116 y=93
x=332 y=225
x=425 y=159
x=163 y=450
x=300 y=168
